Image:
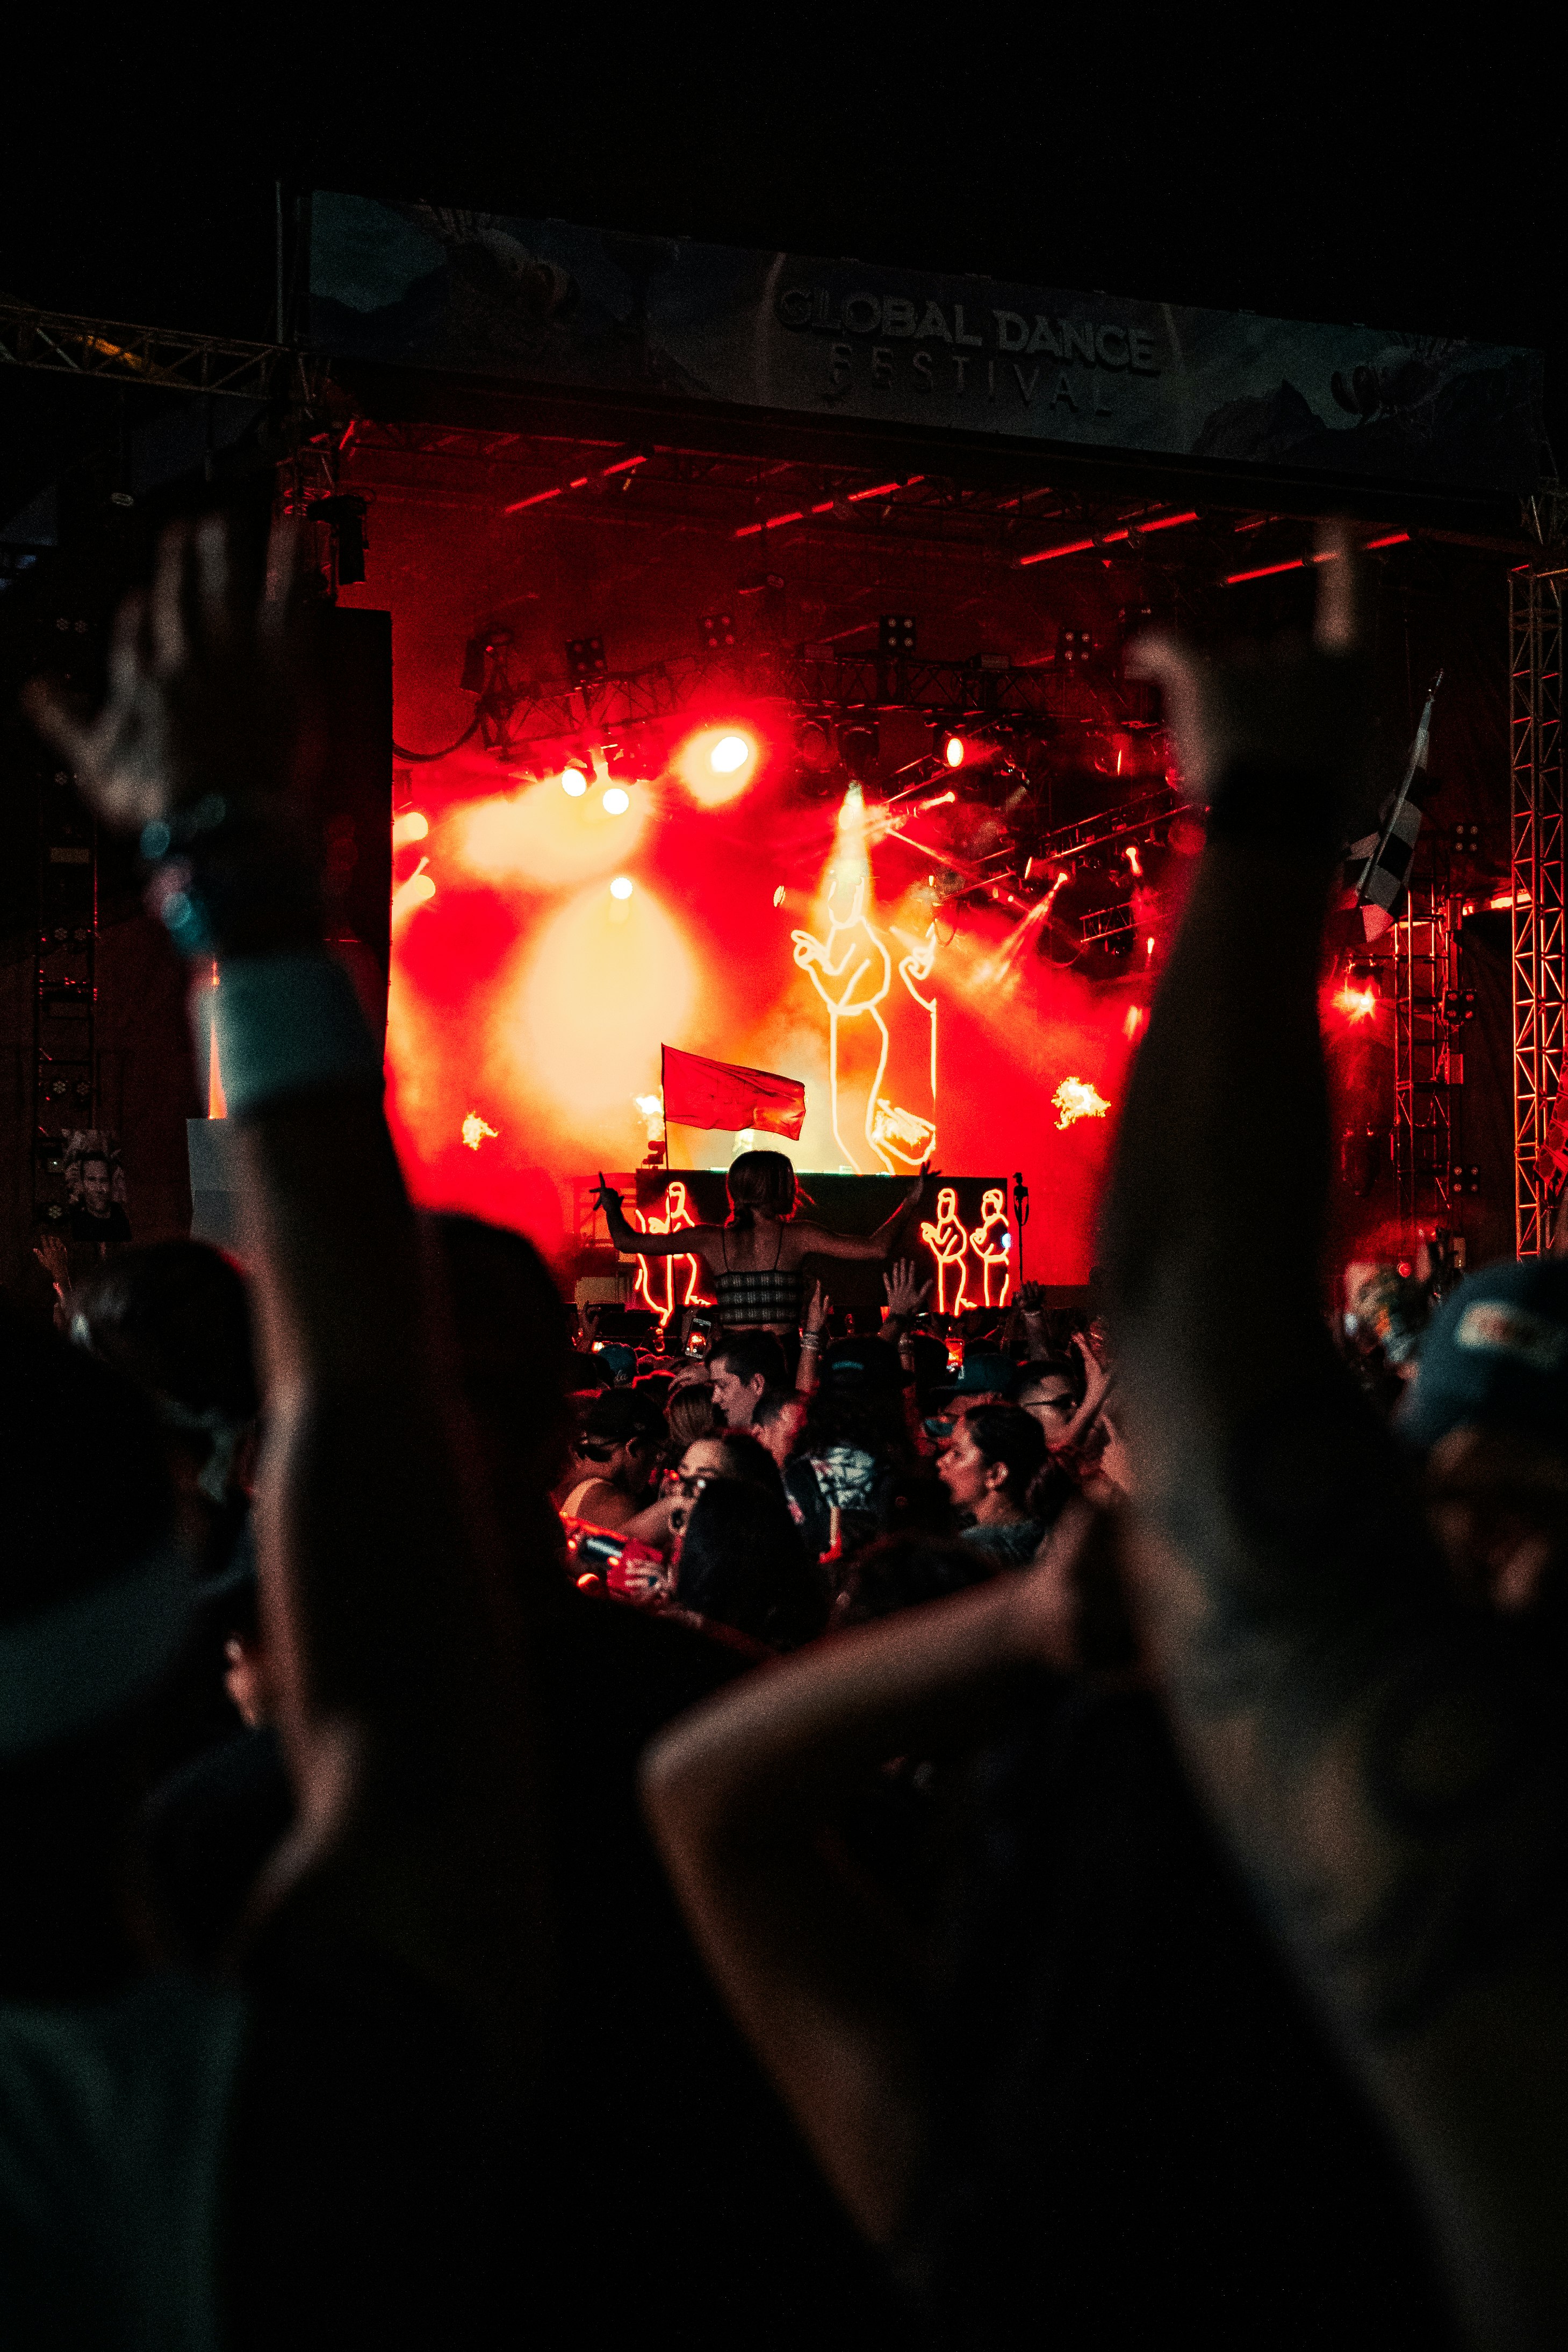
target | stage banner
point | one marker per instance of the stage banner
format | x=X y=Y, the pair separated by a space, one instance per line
x=723 y=1095
x=546 y=303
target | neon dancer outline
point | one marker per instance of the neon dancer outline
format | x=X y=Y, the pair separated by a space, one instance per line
x=678 y=1213
x=940 y=1239
x=991 y=1251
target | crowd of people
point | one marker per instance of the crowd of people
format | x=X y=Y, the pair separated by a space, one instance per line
x=1044 y=1826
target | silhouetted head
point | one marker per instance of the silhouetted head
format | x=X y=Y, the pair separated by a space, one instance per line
x=760 y=1182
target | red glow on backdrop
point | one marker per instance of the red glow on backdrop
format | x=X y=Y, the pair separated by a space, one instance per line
x=522 y=986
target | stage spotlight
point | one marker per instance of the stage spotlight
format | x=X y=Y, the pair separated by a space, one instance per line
x=586 y=659
x=621 y=887
x=412 y=825
x=814 y=742
x=616 y=802
x=717 y=764
x=858 y=748
x=953 y=751
x=573 y=781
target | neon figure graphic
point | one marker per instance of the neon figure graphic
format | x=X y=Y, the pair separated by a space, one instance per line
x=992 y=1246
x=948 y=1242
x=904 y=1133
x=853 y=956
x=677 y=1213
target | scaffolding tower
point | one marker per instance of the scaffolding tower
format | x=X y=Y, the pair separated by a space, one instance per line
x=1424 y=955
x=1536 y=849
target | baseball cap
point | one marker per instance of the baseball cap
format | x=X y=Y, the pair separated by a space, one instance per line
x=1494 y=1356
x=860 y=1364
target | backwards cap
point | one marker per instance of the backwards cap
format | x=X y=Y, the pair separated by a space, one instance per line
x=1495 y=1356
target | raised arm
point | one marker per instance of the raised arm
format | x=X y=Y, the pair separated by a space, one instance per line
x=401 y=1668
x=687 y=1241
x=1393 y=1786
x=744 y=1794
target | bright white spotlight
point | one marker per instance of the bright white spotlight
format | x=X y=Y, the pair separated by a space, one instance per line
x=573 y=783
x=953 y=751
x=617 y=801
x=621 y=887
x=729 y=752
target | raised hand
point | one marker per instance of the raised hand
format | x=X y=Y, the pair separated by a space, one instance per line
x=203 y=688
x=608 y=1198
x=818 y=1310
x=907 y=1294
x=53 y=1256
x=1300 y=706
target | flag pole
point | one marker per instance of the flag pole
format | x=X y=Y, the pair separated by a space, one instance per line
x=1417 y=759
x=663 y=1114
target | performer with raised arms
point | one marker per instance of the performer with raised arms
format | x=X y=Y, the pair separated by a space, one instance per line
x=755 y=1258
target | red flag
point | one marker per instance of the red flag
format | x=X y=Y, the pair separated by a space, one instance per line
x=699 y=1093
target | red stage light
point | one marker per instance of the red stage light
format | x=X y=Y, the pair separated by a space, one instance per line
x=1356 y=1004
x=730 y=751
x=616 y=801
x=953 y=751
x=573 y=781
x=412 y=825
x=621 y=887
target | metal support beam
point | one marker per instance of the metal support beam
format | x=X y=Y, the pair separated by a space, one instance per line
x=1536 y=843
x=162 y=358
x=1424 y=976
x=537 y=712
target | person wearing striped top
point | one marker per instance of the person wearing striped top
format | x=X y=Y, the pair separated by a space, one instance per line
x=755 y=1258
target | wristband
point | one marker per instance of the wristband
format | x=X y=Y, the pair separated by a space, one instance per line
x=289 y=1024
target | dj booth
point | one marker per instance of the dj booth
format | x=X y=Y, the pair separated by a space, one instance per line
x=959 y=1234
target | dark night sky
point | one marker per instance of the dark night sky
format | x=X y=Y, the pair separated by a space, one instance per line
x=1268 y=169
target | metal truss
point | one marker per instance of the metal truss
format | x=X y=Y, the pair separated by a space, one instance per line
x=162 y=358
x=1535 y=720
x=764 y=503
x=515 y=715
x=1143 y=814
x=1424 y=972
